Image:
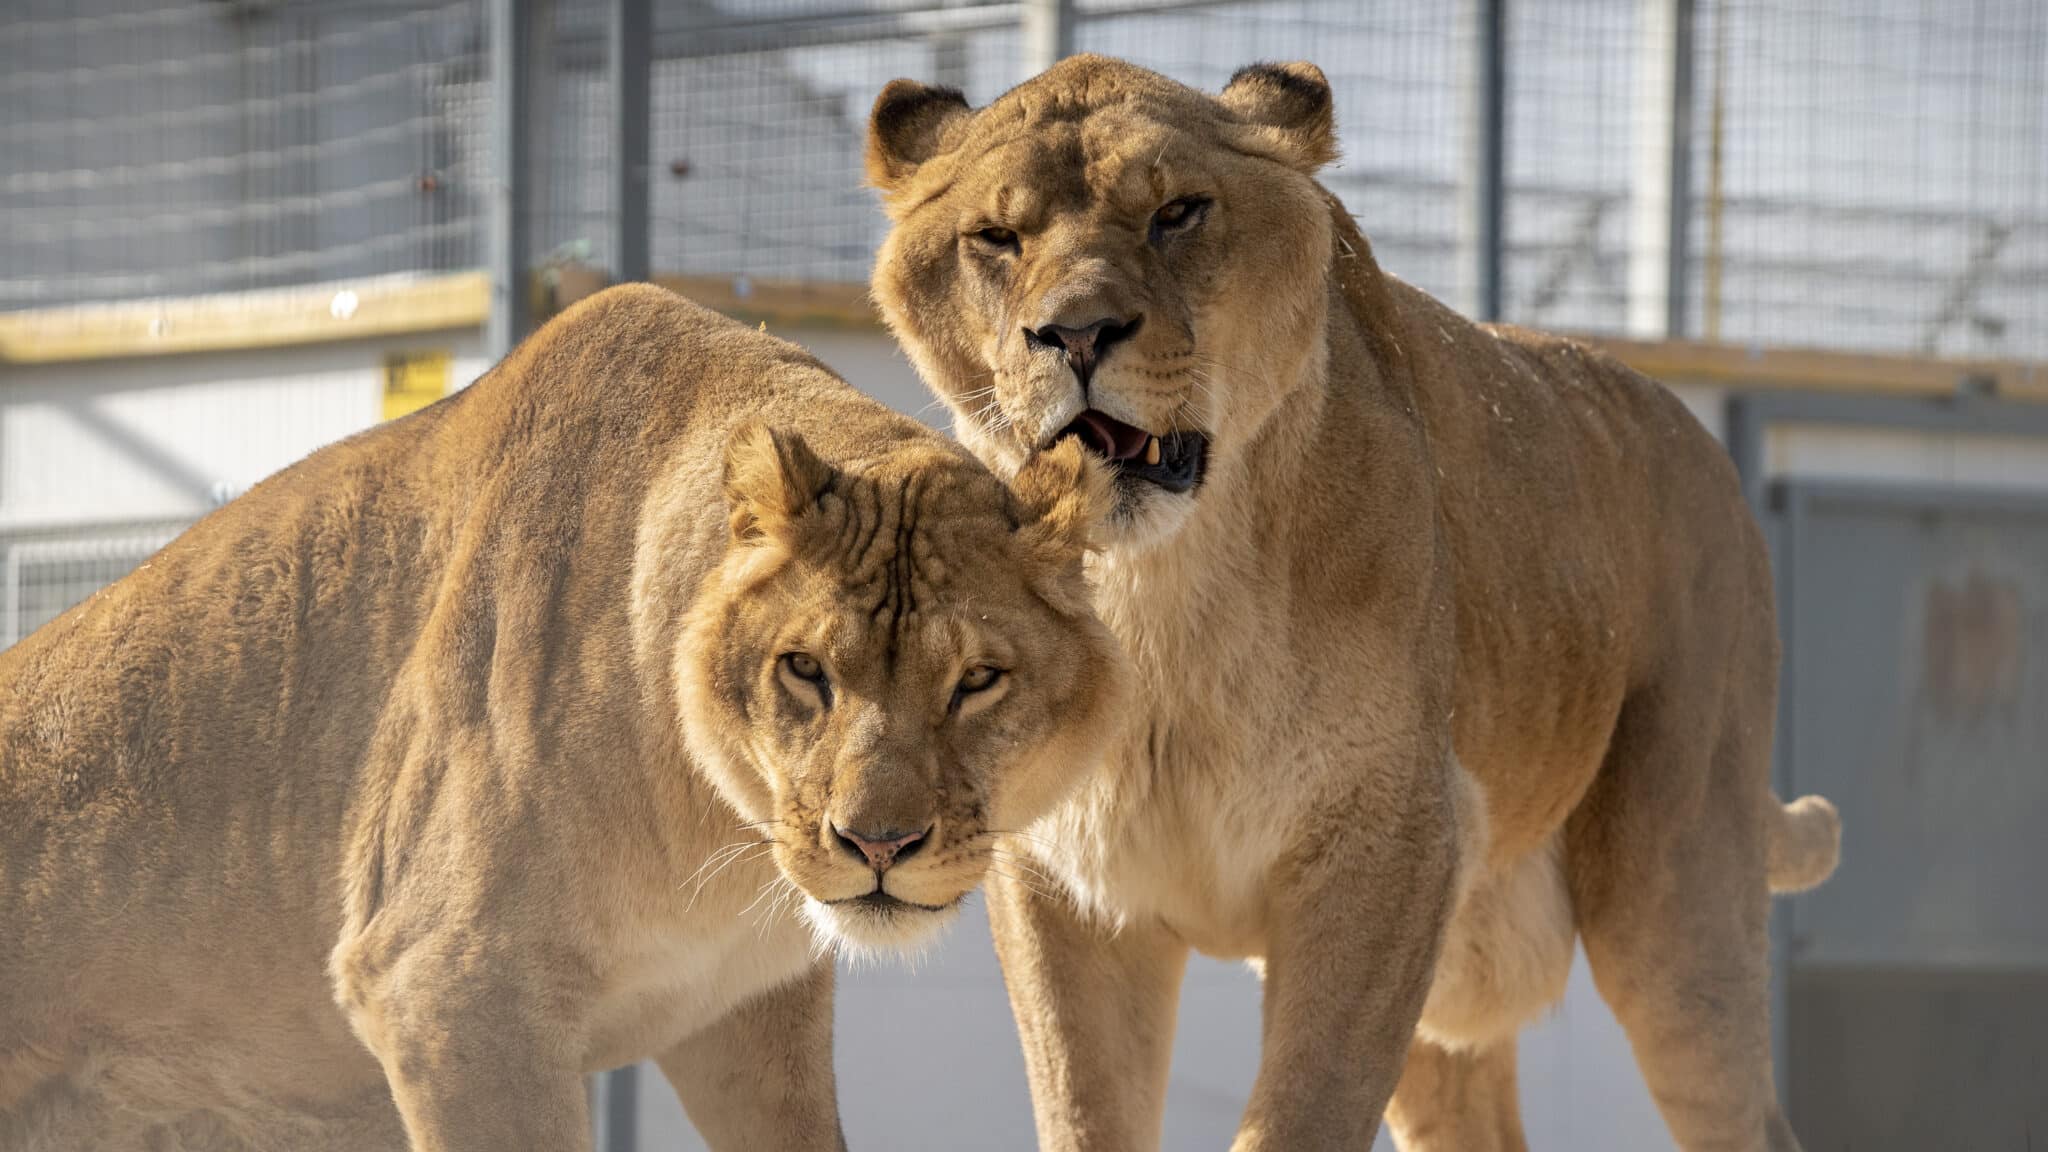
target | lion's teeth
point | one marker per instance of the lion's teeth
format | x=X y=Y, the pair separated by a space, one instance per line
x=1152 y=450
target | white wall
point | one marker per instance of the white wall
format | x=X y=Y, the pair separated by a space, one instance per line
x=150 y=439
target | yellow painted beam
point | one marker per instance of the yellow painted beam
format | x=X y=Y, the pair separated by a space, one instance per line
x=790 y=302
x=1807 y=369
x=270 y=318
x=399 y=305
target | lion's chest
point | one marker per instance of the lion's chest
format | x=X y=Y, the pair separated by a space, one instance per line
x=669 y=985
x=1184 y=821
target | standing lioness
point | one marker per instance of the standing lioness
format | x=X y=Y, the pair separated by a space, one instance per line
x=1451 y=642
x=503 y=743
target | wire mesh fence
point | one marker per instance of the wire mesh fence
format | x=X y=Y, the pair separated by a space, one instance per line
x=1867 y=174
x=44 y=573
x=151 y=148
x=1883 y=180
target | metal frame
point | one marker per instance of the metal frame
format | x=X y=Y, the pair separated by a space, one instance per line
x=1482 y=176
x=1679 y=228
x=511 y=35
x=1781 y=506
x=615 y=1109
x=1662 y=191
x=631 y=59
x=1048 y=33
x=1750 y=414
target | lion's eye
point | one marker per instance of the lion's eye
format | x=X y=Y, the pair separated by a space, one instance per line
x=975 y=681
x=802 y=670
x=1178 y=214
x=997 y=237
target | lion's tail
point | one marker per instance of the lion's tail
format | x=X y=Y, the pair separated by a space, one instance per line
x=1805 y=840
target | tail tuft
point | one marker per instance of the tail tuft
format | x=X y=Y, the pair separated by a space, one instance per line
x=1805 y=839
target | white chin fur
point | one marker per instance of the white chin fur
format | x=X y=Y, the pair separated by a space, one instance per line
x=867 y=935
x=1147 y=517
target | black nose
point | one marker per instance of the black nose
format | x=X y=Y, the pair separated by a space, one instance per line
x=1086 y=346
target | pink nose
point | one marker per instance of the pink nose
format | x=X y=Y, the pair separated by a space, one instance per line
x=881 y=847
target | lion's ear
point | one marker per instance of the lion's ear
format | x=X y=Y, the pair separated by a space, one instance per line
x=771 y=478
x=908 y=127
x=1061 y=498
x=1290 y=105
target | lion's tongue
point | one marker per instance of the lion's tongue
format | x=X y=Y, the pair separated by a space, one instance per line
x=1114 y=439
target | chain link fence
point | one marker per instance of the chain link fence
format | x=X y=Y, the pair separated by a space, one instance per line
x=1863 y=174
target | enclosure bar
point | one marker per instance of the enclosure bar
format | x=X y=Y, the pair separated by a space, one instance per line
x=510 y=112
x=615 y=1110
x=1482 y=191
x=631 y=58
x=1662 y=183
x=1048 y=33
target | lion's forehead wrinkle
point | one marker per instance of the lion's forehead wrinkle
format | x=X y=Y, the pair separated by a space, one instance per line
x=919 y=534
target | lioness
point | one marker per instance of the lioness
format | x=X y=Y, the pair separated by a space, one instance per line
x=504 y=743
x=1451 y=641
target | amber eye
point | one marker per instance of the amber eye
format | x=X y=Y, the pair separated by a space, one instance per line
x=996 y=237
x=805 y=669
x=1178 y=214
x=974 y=682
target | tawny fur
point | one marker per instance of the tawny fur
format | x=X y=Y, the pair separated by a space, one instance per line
x=1429 y=556
x=452 y=764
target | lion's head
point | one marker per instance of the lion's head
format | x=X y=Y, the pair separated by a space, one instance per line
x=895 y=664
x=1108 y=255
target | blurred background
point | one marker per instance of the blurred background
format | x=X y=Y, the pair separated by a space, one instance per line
x=234 y=230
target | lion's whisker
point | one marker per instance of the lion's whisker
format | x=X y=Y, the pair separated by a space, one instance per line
x=731 y=858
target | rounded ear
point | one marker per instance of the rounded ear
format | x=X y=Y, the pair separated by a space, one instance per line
x=1061 y=498
x=771 y=478
x=1290 y=105
x=907 y=128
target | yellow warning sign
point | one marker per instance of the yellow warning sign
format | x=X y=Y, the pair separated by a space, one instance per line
x=413 y=380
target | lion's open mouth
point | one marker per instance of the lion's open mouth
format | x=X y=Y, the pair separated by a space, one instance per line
x=1174 y=461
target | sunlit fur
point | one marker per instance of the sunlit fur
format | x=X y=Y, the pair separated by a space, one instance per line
x=1463 y=649
x=449 y=766
x=897 y=575
x=1226 y=329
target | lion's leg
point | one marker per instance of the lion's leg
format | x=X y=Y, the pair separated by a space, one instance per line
x=1463 y=1101
x=478 y=1044
x=1505 y=960
x=1666 y=860
x=1095 y=1009
x=1357 y=911
x=761 y=1077
x=469 y=1077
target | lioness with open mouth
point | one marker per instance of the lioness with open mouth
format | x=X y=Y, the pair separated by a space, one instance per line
x=518 y=739
x=1452 y=643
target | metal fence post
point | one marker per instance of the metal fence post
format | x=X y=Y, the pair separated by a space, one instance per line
x=1482 y=187
x=1662 y=187
x=631 y=34
x=1048 y=33
x=507 y=241
x=615 y=1109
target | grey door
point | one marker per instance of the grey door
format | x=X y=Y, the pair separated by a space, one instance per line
x=1916 y=679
